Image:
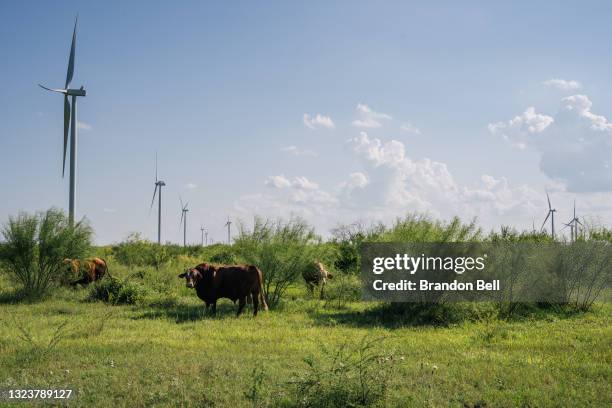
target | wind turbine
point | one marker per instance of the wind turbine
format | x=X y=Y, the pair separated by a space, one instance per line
x=573 y=224
x=70 y=122
x=228 y=224
x=202 y=229
x=184 y=211
x=158 y=185
x=551 y=214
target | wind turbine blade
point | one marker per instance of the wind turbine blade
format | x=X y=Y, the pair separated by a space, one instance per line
x=548 y=198
x=156 y=167
x=70 y=72
x=153 y=199
x=574 y=208
x=181 y=200
x=182 y=215
x=186 y=204
x=52 y=89
x=546 y=219
x=578 y=221
x=66 y=127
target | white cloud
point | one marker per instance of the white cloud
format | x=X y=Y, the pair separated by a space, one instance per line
x=84 y=126
x=369 y=118
x=356 y=180
x=564 y=85
x=278 y=181
x=410 y=128
x=391 y=185
x=281 y=182
x=521 y=128
x=191 y=185
x=317 y=121
x=575 y=147
x=296 y=151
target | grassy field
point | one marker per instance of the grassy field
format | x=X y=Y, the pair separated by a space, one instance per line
x=171 y=354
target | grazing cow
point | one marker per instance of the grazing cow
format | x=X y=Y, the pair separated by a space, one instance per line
x=316 y=276
x=235 y=282
x=88 y=270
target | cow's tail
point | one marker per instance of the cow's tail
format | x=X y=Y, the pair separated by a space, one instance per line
x=262 y=298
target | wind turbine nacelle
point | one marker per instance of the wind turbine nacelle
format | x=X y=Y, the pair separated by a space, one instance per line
x=76 y=92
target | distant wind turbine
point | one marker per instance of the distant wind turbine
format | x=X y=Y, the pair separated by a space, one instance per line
x=184 y=211
x=70 y=122
x=158 y=185
x=573 y=224
x=228 y=224
x=551 y=215
x=202 y=229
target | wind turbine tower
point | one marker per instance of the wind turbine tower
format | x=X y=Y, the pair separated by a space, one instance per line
x=70 y=123
x=184 y=211
x=202 y=229
x=228 y=224
x=551 y=215
x=573 y=224
x=158 y=186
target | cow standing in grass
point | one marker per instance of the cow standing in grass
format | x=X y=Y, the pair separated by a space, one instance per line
x=87 y=270
x=316 y=276
x=234 y=282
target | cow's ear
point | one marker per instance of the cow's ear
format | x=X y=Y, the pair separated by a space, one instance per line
x=329 y=275
x=182 y=275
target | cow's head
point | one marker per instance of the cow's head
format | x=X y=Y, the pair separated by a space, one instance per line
x=192 y=276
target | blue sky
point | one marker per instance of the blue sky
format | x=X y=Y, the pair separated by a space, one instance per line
x=471 y=109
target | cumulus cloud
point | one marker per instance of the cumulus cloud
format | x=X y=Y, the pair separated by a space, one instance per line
x=281 y=181
x=410 y=128
x=296 y=151
x=563 y=84
x=392 y=184
x=317 y=121
x=368 y=118
x=575 y=146
x=520 y=129
x=356 y=180
x=84 y=125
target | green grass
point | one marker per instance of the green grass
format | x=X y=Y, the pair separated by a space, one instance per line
x=174 y=355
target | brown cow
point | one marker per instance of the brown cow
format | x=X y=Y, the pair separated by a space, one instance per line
x=88 y=270
x=235 y=282
x=316 y=276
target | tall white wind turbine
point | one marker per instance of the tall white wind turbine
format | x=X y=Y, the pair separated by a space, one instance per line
x=551 y=215
x=70 y=122
x=184 y=211
x=158 y=186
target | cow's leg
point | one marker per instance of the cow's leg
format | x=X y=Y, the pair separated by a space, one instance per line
x=207 y=306
x=241 y=303
x=255 y=298
x=322 y=289
x=214 y=308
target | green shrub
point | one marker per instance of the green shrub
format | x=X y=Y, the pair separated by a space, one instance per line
x=136 y=251
x=224 y=257
x=282 y=250
x=342 y=289
x=117 y=292
x=349 y=376
x=36 y=245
